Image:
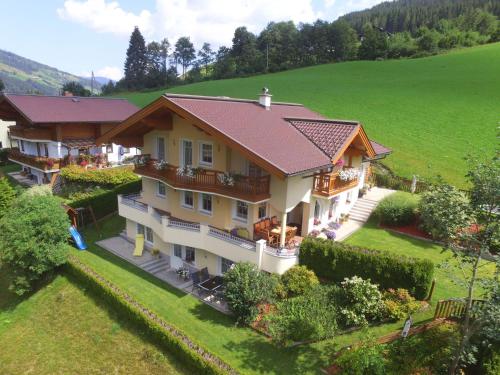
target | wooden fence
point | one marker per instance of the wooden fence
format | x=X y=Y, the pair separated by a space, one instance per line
x=455 y=308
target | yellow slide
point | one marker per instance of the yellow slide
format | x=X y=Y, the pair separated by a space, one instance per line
x=139 y=245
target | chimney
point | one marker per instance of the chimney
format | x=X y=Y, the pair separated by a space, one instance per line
x=265 y=98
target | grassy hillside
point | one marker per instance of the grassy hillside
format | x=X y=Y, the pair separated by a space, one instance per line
x=21 y=75
x=430 y=111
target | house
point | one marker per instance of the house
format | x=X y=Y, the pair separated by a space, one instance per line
x=5 y=141
x=53 y=130
x=221 y=177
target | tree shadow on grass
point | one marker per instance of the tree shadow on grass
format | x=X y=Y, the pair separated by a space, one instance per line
x=205 y=312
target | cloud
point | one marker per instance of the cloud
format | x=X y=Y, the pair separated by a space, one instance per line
x=105 y=16
x=111 y=72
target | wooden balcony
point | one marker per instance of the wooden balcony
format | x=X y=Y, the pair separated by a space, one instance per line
x=31 y=133
x=38 y=162
x=252 y=189
x=328 y=184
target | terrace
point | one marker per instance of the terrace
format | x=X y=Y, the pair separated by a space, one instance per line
x=39 y=162
x=328 y=184
x=251 y=189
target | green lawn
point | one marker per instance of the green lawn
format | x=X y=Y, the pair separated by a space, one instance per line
x=61 y=329
x=430 y=111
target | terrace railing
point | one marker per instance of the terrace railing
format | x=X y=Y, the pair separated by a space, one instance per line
x=228 y=237
x=39 y=162
x=132 y=200
x=328 y=184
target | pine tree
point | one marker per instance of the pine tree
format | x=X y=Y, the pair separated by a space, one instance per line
x=136 y=61
x=184 y=53
x=206 y=56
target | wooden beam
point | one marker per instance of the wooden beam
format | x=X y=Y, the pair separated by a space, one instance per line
x=160 y=123
x=130 y=141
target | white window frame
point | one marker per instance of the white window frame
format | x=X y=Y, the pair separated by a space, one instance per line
x=200 y=153
x=182 y=154
x=183 y=199
x=177 y=247
x=140 y=229
x=149 y=231
x=235 y=212
x=158 y=192
x=221 y=261
x=265 y=211
x=109 y=149
x=200 y=204
x=158 y=148
x=186 y=248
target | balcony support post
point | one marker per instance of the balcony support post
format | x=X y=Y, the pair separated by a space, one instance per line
x=260 y=246
x=283 y=229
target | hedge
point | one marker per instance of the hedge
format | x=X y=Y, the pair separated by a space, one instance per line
x=164 y=334
x=107 y=176
x=335 y=260
x=397 y=209
x=105 y=203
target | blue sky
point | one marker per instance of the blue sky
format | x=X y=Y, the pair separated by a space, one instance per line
x=79 y=36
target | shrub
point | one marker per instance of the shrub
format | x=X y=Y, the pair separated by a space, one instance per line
x=397 y=209
x=365 y=359
x=108 y=176
x=298 y=280
x=336 y=260
x=399 y=304
x=362 y=302
x=245 y=288
x=7 y=195
x=307 y=317
x=34 y=238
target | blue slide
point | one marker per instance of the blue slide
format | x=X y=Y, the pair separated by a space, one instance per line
x=80 y=243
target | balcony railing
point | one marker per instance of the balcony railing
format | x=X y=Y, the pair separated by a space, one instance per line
x=211 y=181
x=39 y=162
x=31 y=133
x=228 y=237
x=328 y=184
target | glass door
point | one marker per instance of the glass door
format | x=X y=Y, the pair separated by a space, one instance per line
x=187 y=152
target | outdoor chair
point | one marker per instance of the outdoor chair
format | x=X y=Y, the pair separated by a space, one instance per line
x=267 y=223
x=195 y=276
x=204 y=276
x=274 y=221
x=290 y=235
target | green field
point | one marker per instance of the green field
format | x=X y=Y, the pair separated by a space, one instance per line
x=430 y=111
x=61 y=329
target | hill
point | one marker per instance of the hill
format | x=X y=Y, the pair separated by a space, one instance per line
x=430 y=111
x=22 y=75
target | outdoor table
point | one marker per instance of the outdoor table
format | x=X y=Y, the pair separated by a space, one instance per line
x=277 y=230
x=212 y=284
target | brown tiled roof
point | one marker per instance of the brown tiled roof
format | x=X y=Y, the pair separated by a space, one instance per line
x=330 y=136
x=265 y=133
x=70 y=109
x=380 y=149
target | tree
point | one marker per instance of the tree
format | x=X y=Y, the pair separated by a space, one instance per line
x=428 y=39
x=108 y=88
x=165 y=52
x=2 y=86
x=206 y=56
x=33 y=240
x=7 y=195
x=155 y=73
x=184 y=53
x=224 y=66
x=279 y=43
x=245 y=52
x=136 y=62
x=75 y=88
x=344 y=41
x=471 y=236
x=374 y=43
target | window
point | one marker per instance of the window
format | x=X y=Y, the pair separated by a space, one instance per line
x=140 y=229
x=225 y=265
x=254 y=170
x=317 y=210
x=46 y=150
x=206 y=203
x=177 y=251
x=161 y=189
x=109 y=149
x=22 y=145
x=206 y=153
x=160 y=148
x=262 y=212
x=241 y=210
x=187 y=199
x=190 y=251
x=149 y=235
x=187 y=152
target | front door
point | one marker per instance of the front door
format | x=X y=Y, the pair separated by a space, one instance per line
x=176 y=260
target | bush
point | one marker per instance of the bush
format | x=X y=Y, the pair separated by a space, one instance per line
x=397 y=209
x=245 y=288
x=336 y=260
x=34 y=238
x=107 y=177
x=361 y=302
x=365 y=359
x=7 y=195
x=104 y=202
x=307 y=317
x=398 y=304
x=298 y=280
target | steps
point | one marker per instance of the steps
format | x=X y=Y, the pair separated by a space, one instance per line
x=155 y=265
x=362 y=209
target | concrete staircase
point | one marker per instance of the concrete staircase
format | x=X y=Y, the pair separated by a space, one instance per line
x=155 y=265
x=362 y=209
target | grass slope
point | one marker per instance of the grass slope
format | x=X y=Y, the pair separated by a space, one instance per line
x=62 y=330
x=430 y=111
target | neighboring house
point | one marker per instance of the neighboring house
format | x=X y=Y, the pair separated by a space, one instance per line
x=5 y=141
x=222 y=169
x=48 y=129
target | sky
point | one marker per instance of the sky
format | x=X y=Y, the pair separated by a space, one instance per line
x=80 y=36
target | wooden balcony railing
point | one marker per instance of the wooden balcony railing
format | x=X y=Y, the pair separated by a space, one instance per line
x=252 y=189
x=328 y=184
x=39 y=162
x=31 y=133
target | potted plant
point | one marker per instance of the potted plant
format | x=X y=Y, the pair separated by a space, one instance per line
x=155 y=252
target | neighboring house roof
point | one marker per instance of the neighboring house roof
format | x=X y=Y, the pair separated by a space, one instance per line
x=380 y=149
x=287 y=138
x=70 y=109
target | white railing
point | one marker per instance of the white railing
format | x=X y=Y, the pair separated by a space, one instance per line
x=131 y=200
x=228 y=237
x=195 y=227
x=282 y=253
